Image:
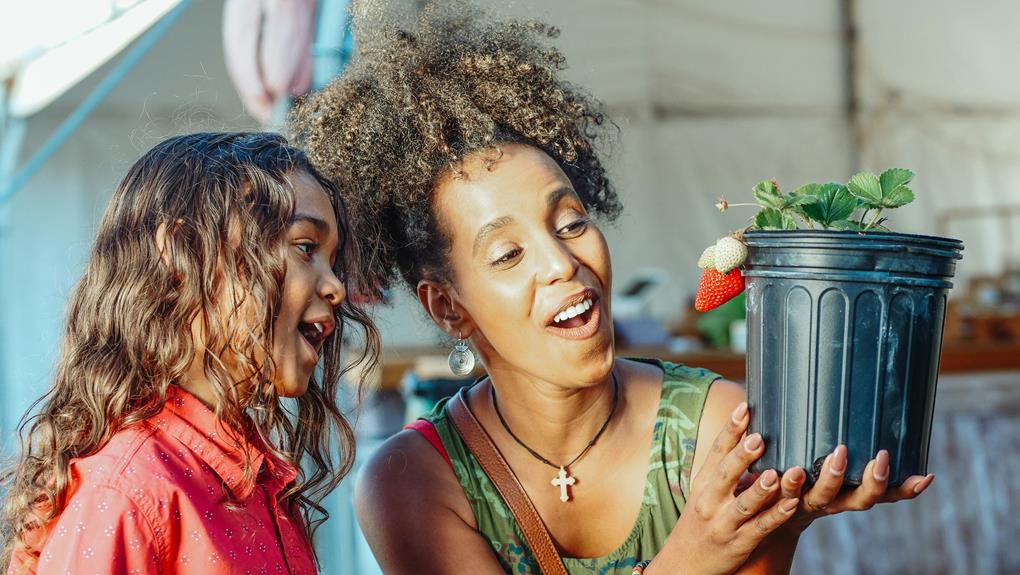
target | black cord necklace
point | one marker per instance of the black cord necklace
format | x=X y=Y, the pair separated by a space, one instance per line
x=563 y=478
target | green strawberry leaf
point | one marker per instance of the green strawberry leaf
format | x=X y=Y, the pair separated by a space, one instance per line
x=847 y=226
x=867 y=187
x=899 y=196
x=807 y=190
x=773 y=219
x=802 y=200
x=831 y=205
x=768 y=196
x=894 y=178
x=834 y=203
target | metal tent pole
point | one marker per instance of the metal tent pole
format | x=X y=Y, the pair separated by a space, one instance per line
x=851 y=63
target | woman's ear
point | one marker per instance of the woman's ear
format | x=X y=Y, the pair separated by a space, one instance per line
x=443 y=308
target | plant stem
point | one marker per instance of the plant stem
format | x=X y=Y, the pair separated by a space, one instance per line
x=873 y=220
x=864 y=214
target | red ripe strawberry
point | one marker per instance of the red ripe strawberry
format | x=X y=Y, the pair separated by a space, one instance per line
x=716 y=288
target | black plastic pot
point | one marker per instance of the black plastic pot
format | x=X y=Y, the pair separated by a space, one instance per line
x=844 y=338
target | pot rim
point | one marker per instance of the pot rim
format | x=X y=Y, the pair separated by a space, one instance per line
x=834 y=236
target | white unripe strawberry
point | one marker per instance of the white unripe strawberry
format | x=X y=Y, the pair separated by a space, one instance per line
x=707 y=259
x=729 y=253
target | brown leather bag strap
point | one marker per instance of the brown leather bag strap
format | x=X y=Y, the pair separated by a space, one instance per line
x=509 y=487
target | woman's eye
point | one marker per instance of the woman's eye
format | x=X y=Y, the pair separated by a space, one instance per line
x=507 y=257
x=575 y=228
x=307 y=248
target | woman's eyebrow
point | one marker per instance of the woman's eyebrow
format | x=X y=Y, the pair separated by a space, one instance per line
x=488 y=229
x=558 y=194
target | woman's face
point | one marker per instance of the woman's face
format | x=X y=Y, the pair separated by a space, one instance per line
x=310 y=288
x=531 y=271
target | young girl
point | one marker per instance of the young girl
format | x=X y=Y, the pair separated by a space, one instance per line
x=474 y=177
x=214 y=290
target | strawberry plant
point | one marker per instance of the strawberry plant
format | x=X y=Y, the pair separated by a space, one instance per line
x=844 y=322
x=856 y=206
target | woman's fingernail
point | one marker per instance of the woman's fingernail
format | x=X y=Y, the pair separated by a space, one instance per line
x=739 y=412
x=752 y=442
x=837 y=461
x=768 y=479
x=924 y=483
x=789 y=505
x=881 y=469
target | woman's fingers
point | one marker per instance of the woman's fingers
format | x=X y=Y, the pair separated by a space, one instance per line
x=746 y=480
x=724 y=443
x=736 y=462
x=766 y=522
x=830 y=480
x=793 y=482
x=911 y=488
x=755 y=498
x=873 y=485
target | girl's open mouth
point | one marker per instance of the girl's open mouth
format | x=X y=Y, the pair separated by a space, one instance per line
x=314 y=333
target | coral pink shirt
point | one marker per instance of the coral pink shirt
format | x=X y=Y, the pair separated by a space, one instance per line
x=152 y=501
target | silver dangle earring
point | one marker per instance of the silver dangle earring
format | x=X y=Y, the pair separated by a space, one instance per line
x=462 y=359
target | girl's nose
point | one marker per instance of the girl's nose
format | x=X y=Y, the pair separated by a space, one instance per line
x=332 y=289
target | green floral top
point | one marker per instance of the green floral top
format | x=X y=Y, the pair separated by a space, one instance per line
x=669 y=478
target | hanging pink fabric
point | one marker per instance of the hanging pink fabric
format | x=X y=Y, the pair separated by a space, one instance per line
x=268 y=48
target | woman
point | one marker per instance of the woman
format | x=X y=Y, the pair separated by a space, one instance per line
x=473 y=176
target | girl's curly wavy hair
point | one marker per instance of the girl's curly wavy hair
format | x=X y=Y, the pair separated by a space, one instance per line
x=228 y=202
x=413 y=104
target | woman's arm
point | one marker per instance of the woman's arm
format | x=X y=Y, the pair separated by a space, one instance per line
x=719 y=527
x=414 y=514
x=774 y=555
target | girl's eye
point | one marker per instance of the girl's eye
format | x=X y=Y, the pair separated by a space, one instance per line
x=307 y=248
x=507 y=257
x=575 y=228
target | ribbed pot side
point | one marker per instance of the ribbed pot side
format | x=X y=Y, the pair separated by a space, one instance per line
x=844 y=339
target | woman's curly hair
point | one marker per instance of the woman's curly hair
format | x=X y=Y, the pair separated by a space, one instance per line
x=414 y=102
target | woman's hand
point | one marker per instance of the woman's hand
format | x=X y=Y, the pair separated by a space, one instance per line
x=719 y=529
x=824 y=497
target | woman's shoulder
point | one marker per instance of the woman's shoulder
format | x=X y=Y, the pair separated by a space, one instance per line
x=393 y=480
x=679 y=373
x=681 y=389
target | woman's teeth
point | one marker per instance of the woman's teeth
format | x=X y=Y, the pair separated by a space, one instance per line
x=573 y=311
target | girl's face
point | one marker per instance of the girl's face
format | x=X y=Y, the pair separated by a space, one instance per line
x=310 y=288
x=531 y=272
